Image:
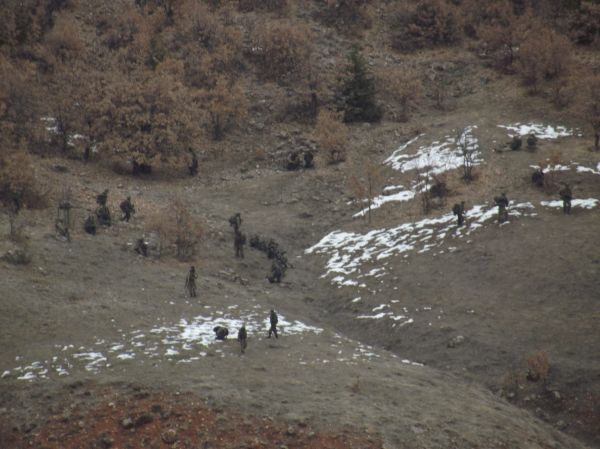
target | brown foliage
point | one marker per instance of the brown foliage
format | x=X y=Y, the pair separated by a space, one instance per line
x=588 y=106
x=402 y=86
x=544 y=55
x=347 y=15
x=429 y=23
x=150 y=121
x=64 y=40
x=17 y=180
x=226 y=106
x=280 y=6
x=282 y=50
x=585 y=24
x=538 y=366
x=176 y=226
x=365 y=183
x=331 y=135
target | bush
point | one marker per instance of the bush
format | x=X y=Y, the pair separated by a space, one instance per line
x=543 y=56
x=226 y=105
x=430 y=23
x=263 y=5
x=64 y=41
x=357 y=92
x=17 y=180
x=331 y=136
x=348 y=15
x=402 y=86
x=282 y=50
x=177 y=227
x=538 y=366
x=585 y=24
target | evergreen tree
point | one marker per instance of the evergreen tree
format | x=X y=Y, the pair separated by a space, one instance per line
x=358 y=92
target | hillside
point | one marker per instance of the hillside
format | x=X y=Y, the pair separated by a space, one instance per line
x=398 y=329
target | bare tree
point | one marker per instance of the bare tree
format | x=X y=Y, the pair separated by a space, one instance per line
x=365 y=181
x=468 y=152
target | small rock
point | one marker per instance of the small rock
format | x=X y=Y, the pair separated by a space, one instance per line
x=556 y=395
x=169 y=436
x=561 y=425
x=456 y=341
x=291 y=432
x=105 y=442
x=143 y=420
x=127 y=423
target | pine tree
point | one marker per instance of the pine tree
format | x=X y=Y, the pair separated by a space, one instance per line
x=358 y=92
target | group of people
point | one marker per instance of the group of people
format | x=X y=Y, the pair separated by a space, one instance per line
x=102 y=216
x=502 y=202
x=221 y=332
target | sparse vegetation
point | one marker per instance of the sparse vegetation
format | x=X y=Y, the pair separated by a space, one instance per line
x=331 y=136
x=538 y=366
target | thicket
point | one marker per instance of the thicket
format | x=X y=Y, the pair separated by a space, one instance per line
x=348 y=16
x=357 y=91
x=428 y=23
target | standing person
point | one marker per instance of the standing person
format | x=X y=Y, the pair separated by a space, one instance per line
x=274 y=320
x=566 y=195
x=190 y=282
x=193 y=167
x=238 y=243
x=502 y=203
x=459 y=211
x=127 y=208
x=243 y=338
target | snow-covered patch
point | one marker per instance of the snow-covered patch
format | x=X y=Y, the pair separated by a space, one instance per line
x=181 y=342
x=551 y=168
x=350 y=252
x=588 y=203
x=540 y=130
x=377 y=202
x=438 y=156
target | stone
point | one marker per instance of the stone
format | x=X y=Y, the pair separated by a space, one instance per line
x=127 y=423
x=169 y=436
x=456 y=341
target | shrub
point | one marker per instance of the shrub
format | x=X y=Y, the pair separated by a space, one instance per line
x=428 y=24
x=585 y=24
x=177 y=227
x=282 y=50
x=358 y=91
x=64 y=40
x=331 y=136
x=538 y=366
x=544 y=55
x=589 y=107
x=17 y=180
x=226 y=105
x=402 y=86
x=263 y=5
x=348 y=15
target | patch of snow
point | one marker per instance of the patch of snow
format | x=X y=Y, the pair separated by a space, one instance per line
x=588 y=203
x=539 y=130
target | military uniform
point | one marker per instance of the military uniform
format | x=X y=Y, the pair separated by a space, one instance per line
x=127 y=208
x=502 y=202
x=566 y=195
x=243 y=338
x=273 y=320
x=239 y=242
x=193 y=167
x=459 y=211
x=190 y=282
x=221 y=332
x=90 y=225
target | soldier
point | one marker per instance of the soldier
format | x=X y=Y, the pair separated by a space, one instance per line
x=308 y=159
x=274 y=320
x=566 y=195
x=537 y=177
x=459 y=211
x=141 y=247
x=239 y=242
x=102 y=198
x=103 y=212
x=63 y=218
x=221 y=332
x=243 y=338
x=193 y=167
x=502 y=203
x=235 y=221
x=127 y=208
x=276 y=273
x=293 y=161
x=190 y=282
x=90 y=224
x=516 y=143
x=531 y=141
